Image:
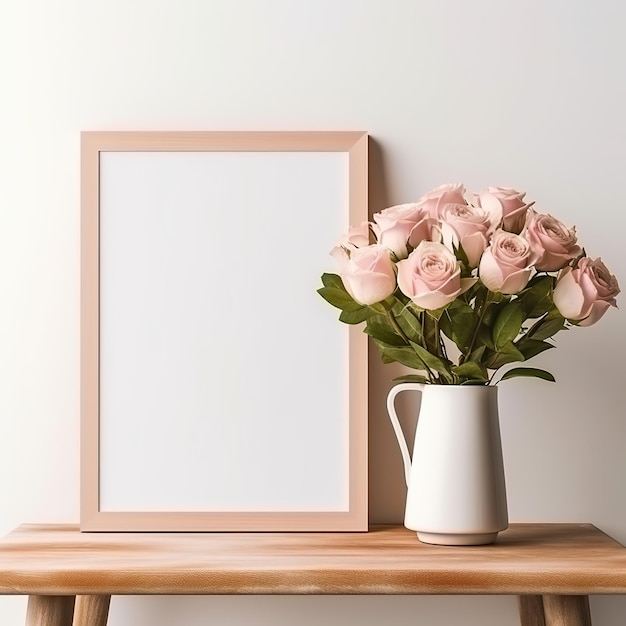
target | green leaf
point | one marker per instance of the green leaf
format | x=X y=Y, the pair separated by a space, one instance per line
x=471 y=370
x=430 y=340
x=484 y=337
x=477 y=355
x=406 y=355
x=385 y=358
x=477 y=292
x=493 y=308
x=508 y=324
x=433 y=362
x=333 y=280
x=536 y=298
x=457 y=304
x=543 y=305
x=409 y=323
x=462 y=257
x=473 y=381
x=546 y=328
x=529 y=372
x=411 y=378
x=435 y=314
x=458 y=324
x=532 y=347
x=539 y=285
x=400 y=299
x=355 y=317
x=379 y=328
x=339 y=298
x=377 y=308
x=507 y=353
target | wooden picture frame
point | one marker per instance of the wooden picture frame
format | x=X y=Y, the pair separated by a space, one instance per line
x=218 y=391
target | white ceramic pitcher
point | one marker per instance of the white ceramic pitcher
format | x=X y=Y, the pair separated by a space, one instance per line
x=456 y=490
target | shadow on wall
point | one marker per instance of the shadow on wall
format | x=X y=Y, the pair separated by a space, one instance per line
x=387 y=489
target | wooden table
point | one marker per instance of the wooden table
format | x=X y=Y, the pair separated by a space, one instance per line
x=71 y=575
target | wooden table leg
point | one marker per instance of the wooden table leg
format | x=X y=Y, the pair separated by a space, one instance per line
x=567 y=610
x=531 y=611
x=91 y=610
x=50 y=610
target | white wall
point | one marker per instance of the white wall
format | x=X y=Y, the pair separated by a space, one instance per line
x=528 y=94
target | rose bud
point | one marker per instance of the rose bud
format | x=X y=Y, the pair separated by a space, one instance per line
x=552 y=241
x=585 y=292
x=507 y=206
x=368 y=274
x=402 y=225
x=506 y=264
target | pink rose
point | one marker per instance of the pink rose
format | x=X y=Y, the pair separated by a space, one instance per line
x=470 y=228
x=585 y=292
x=507 y=205
x=340 y=254
x=506 y=264
x=403 y=224
x=434 y=200
x=368 y=274
x=431 y=276
x=357 y=236
x=552 y=241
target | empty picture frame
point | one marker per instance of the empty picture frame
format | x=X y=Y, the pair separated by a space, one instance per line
x=218 y=390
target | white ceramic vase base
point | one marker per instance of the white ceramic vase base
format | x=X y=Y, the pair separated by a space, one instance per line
x=456 y=492
x=457 y=539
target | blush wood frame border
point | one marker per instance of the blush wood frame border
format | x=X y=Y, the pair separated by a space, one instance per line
x=92 y=518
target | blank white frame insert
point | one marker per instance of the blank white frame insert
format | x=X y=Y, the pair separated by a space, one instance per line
x=218 y=390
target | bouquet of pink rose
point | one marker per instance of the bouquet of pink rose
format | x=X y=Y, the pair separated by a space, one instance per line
x=456 y=288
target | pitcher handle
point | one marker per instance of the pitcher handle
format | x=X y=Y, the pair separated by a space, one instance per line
x=395 y=422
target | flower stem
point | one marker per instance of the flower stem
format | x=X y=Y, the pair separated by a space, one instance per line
x=437 y=342
x=483 y=310
x=397 y=327
x=442 y=344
